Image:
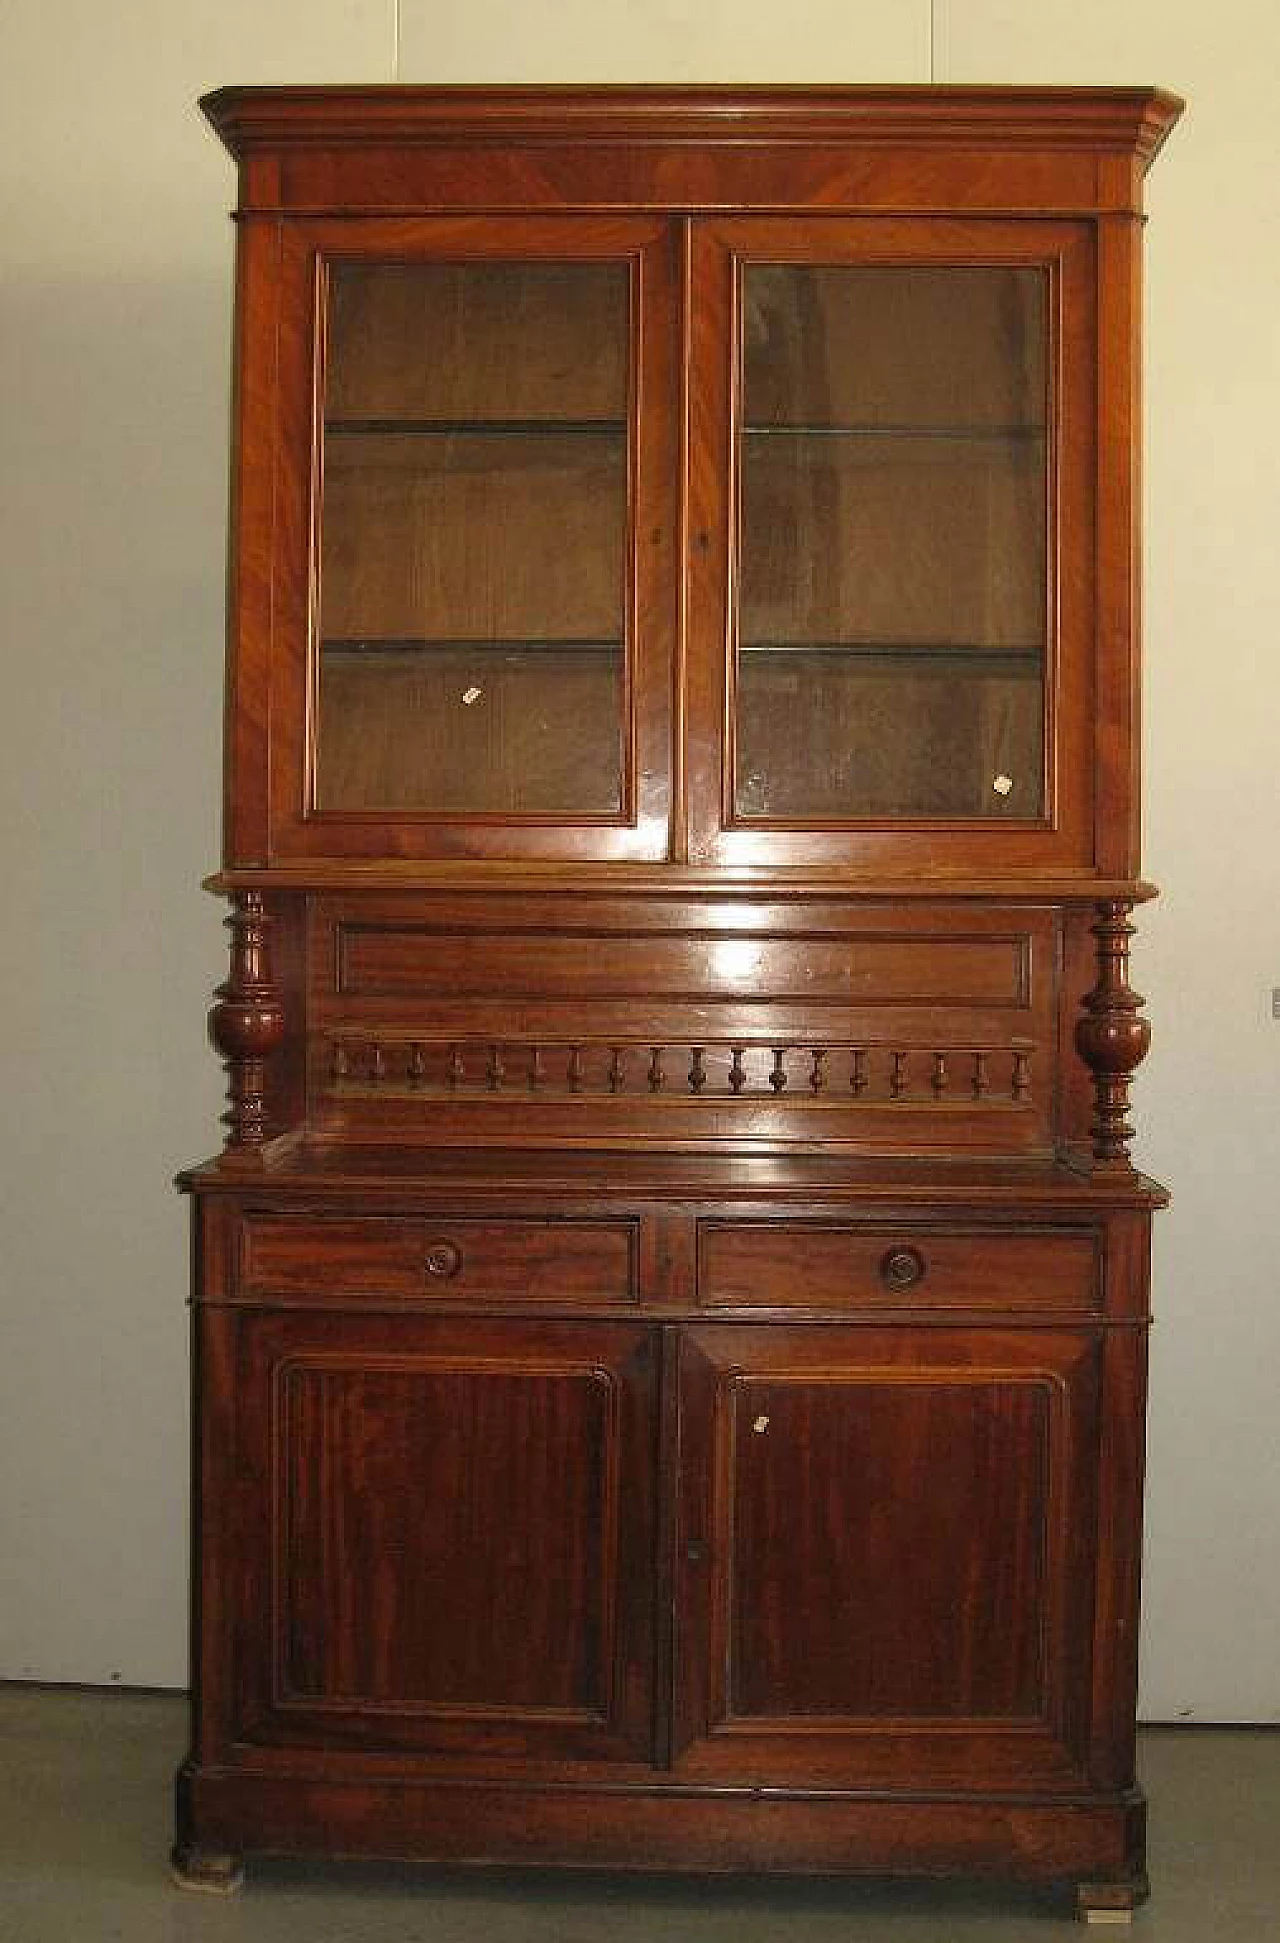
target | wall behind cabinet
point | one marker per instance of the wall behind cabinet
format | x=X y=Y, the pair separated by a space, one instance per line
x=113 y=402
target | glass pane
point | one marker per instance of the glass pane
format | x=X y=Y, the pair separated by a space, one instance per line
x=473 y=539
x=892 y=579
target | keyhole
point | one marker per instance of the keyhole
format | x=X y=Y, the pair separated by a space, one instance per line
x=760 y=1425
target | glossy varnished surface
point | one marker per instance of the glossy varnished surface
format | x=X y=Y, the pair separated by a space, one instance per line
x=464 y=1260
x=678 y=797
x=1125 y=119
x=461 y=1537
x=334 y=1168
x=670 y=1316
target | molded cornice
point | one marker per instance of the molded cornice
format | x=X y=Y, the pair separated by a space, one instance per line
x=1131 y=120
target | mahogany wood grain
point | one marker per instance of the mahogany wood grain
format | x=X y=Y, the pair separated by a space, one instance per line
x=833 y=954
x=390 y=874
x=845 y=1562
x=251 y=549
x=247 y=1026
x=1026 y=1839
x=668 y=1381
x=395 y=119
x=841 y=1491
x=793 y=1265
x=563 y=1018
x=1117 y=501
x=461 y=1259
x=391 y=1453
x=1112 y=1038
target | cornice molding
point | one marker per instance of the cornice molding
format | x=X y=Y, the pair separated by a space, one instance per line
x=1129 y=120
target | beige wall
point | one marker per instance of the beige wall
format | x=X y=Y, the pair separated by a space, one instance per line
x=114 y=300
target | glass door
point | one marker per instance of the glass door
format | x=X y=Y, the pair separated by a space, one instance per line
x=880 y=639
x=492 y=425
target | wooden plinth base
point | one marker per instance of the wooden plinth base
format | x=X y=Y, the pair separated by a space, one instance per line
x=1097 y=1845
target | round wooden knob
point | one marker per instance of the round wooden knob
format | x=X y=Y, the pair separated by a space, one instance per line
x=444 y=1258
x=901 y=1268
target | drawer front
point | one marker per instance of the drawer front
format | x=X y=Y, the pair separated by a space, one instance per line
x=421 y=1257
x=813 y=1265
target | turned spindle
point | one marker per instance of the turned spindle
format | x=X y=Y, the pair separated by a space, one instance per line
x=246 y=1025
x=1112 y=1039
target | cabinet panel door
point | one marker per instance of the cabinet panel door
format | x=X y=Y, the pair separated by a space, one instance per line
x=885 y=1554
x=473 y=580
x=891 y=619
x=459 y=1540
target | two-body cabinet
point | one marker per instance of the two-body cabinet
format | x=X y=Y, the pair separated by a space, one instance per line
x=670 y=1312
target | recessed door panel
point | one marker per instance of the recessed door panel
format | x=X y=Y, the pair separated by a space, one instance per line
x=461 y=1527
x=879 y=1551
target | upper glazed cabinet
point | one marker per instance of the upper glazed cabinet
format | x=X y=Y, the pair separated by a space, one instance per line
x=781 y=539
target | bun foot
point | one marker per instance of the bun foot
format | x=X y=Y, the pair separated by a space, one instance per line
x=1110 y=1902
x=207 y=1870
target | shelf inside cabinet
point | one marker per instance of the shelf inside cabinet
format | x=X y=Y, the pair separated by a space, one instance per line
x=948 y=657
x=475 y=427
x=474 y=536
x=416 y=644
x=575 y=452
x=962 y=434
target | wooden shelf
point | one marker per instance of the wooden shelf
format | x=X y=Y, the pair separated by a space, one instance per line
x=968 y=434
x=954 y=656
x=426 y=644
x=472 y=427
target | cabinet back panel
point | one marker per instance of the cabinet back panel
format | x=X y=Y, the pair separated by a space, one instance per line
x=472 y=728
x=831 y=735
x=487 y=341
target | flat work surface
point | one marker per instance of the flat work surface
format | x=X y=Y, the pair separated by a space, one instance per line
x=706 y=1175
x=85 y=1828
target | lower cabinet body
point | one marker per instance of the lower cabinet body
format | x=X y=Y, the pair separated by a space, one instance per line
x=775 y=1571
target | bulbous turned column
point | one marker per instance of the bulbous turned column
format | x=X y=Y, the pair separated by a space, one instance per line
x=246 y=1026
x=1112 y=1039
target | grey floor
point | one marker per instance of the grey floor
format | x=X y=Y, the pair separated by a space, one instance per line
x=84 y=1813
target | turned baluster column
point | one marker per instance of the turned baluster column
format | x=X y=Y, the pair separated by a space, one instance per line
x=246 y=1026
x=1112 y=1039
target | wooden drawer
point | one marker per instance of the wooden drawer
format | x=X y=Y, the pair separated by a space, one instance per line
x=421 y=1257
x=815 y=1265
